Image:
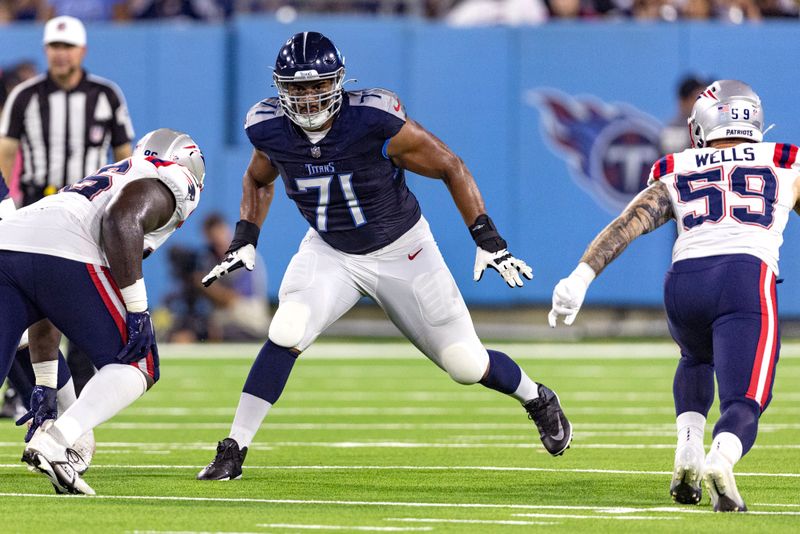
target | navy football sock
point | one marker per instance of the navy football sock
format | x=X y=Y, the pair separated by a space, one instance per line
x=269 y=372
x=740 y=418
x=504 y=374
x=693 y=386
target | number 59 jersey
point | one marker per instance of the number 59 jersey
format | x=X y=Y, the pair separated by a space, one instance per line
x=68 y=224
x=735 y=200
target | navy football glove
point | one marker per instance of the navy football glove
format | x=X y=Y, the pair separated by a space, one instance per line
x=43 y=407
x=141 y=337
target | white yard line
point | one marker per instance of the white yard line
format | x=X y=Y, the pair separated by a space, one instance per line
x=345 y=527
x=317 y=502
x=363 y=350
x=187 y=532
x=468 y=521
x=521 y=426
x=419 y=468
x=465 y=443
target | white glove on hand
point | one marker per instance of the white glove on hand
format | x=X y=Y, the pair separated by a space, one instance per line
x=241 y=257
x=569 y=293
x=504 y=263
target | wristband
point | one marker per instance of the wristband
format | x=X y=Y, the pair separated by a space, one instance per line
x=584 y=272
x=46 y=373
x=135 y=296
x=246 y=234
x=484 y=233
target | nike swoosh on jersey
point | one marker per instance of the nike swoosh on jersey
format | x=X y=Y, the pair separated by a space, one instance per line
x=414 y=255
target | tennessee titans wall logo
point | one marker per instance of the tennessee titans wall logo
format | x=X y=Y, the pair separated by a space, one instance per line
x=609 y=148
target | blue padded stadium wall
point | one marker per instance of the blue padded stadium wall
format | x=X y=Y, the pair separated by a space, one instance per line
x=480 y=90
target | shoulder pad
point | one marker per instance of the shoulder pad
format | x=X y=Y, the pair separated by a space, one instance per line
x=785 y=155
x=378 y=98
x=265 y=110
x=184 y=187
x=661 y=168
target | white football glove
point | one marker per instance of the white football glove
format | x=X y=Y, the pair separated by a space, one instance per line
x=7 y=207
x=569 y=293
x=504 y=263
x=241 y=257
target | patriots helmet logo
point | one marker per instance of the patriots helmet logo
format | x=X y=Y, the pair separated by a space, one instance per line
x=609 y=148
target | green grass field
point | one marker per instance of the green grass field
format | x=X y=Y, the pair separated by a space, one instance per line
x=374 y=438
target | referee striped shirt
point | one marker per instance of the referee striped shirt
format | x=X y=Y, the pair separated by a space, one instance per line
x=64 y=135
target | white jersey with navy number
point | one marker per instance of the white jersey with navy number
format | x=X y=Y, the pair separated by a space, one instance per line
x=730 y=201
x=68 y=224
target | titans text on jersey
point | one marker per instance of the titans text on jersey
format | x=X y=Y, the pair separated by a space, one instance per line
x=345 y=185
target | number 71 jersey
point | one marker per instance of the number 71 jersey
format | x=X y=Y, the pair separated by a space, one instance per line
x=734 y=200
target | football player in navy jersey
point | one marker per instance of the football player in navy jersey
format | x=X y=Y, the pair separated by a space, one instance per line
x=342 y=156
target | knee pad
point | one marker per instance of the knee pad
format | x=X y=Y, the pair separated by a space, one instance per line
x=289 y=324
x=464 y=363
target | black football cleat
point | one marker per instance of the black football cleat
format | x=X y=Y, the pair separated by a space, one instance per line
x=227 y=464
x=555 y=430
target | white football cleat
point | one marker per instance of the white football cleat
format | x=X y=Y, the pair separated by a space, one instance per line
x=687 y=475
x=85 y=446
x=47 y=455
x=721 y=486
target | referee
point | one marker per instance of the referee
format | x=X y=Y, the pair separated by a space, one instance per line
x=62 y=125
x=64 y=121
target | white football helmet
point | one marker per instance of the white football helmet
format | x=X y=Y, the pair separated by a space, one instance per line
x=171 y=145
x=726 y=109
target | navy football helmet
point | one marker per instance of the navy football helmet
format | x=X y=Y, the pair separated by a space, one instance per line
x=304 y=61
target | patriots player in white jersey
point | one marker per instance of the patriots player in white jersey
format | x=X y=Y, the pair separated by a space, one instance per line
x=75 y=258
x=731 y=195
x=39 y=344
x=342 y=156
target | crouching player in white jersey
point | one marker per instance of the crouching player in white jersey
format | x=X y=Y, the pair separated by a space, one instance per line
x=55 y=390
x=75 y=258
x=731 y=196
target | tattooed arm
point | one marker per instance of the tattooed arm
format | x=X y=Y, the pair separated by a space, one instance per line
x=650 y=209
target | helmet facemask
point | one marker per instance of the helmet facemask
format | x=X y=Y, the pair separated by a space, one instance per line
x=308 y=102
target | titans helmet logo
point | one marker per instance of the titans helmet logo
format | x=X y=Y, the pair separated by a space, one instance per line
x=609 y=148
